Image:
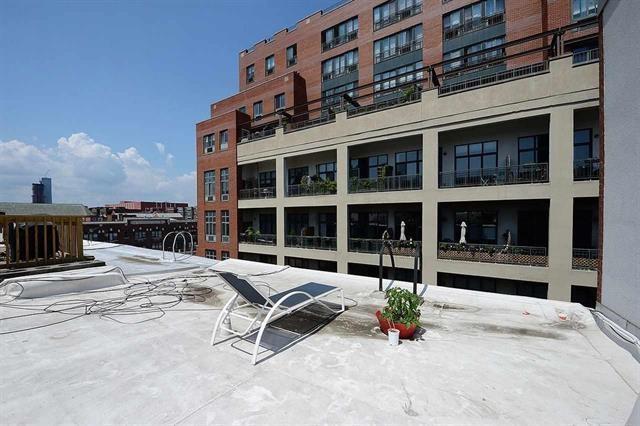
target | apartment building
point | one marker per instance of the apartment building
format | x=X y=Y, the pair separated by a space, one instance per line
x=422 y=121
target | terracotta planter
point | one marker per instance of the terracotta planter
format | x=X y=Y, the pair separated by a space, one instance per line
x=405 y=332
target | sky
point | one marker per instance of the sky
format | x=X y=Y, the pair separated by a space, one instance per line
x=103 y=96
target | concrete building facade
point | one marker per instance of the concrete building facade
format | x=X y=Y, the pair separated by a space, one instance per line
x=482 y=113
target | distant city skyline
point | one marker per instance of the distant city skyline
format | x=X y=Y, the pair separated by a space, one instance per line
x=106 y=106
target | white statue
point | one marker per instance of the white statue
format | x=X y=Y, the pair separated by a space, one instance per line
x=402 y=236
x=463 y=233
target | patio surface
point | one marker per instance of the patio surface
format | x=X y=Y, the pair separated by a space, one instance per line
x=483 y=359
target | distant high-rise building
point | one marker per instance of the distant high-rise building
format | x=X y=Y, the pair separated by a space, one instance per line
x=41 y=191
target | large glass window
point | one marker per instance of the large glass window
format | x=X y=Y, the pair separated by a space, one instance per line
x=279 y=101
x=339 y=65
x=210 y=185
x=225 y=225
x=393 y=11
x=267 y=179
x=210 y=225
x=224 y=182
x=334 y=95
x=296 y=174
x=469 y=17
x=269 y=65
x=257 y=110
x=533 y=149
x=251 y=72
x=482 y=226
x=398 y=44
x=375 y=164
x=267 y=223
x=224 y=140
x=472 y=158
x=296 y=222
x=409 y=163
x=339 y=34
x=327 y=171
x=475 y=59
x=582 y=144
x=405 y=75
x=584 y=8
x=292 y=55
x=209 y=254
x=327 y=224
x=209 y=143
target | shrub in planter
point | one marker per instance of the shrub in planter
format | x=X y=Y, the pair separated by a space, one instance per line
x=402 y=312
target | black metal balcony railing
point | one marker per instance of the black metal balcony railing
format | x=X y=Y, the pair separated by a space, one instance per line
x=257 y=193
x=402 y=98
x=370 y=245
x=586 y=259
x=497 y=77
x=259 y=239
x=511 y=175
x=315 y=242
x=339 y=72
x=388 y=183
x=313 y=188
x=587 y=169
x=253 y=135
x=586 y=56
x=299 y=125
x=491 y=253
x=337 y=41
x=399 y=50
x=398 y=16
x=473 y=25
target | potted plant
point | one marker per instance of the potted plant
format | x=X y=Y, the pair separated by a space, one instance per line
x=402 y=312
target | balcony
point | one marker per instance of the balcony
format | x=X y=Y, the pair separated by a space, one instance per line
x=397 y=17
x=588 y=169
x=257 y=193
x=305 y=124
x=585 y=259
x=311 y=189
x=473 y=25
x=586 y=56
x=340 y=72
x=314 y=242
x=340 y=40
x=257 y=238
x=498 y=77
x=401 y=99
x=495 y=176
x=384 y=184
x=491 y=253
x=254 y=135
x=369 y=245
x=400 y=50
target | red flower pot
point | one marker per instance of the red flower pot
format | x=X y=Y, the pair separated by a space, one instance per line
x=405 y=332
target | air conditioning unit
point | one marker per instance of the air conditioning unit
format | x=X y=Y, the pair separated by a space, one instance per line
x=211 y=198
x=211 y=238
x=225 y=197
x=209 y=150
x=225 y=238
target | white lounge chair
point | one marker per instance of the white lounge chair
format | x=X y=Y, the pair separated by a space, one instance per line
x=268 y=308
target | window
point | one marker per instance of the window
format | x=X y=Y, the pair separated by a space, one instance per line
x=397 y=44
x=475 y=59
x=296 y=174
x=224 y=140
x=375 y=163
x=267 y=223
x=225 y=226
x=210 y=185
x=267 y=179
x=334 y=95
x=394 y=11
x=209 y=254
x=251 y=73
x=584 y=8
x=225 y=255
x=296 y=223
x=409 y=163
x=472 y=17
x=224 y=184
x=405 y=73
x=339 y=65
x=156 y=234
x=257 y=110
x=472 y=159
x=140 y=235
x=533 y=149
x=243 y=109
x=340 y=34
x=482 y=226
x=210 y=226
x=326 y=171
x=327 y=225
x=278 y=102
x=111 y=236
x=582 y=146
x=269 y=65
x=209 y=143
x=292 y=55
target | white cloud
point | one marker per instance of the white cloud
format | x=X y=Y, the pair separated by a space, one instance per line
x=84 y=171
x=168 y=157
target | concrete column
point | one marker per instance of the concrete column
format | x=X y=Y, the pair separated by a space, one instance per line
x=342 y=214
x=429 y=206
x=281 y=181
x=561 y=203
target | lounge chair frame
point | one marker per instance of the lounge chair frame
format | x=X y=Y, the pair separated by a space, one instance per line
x=265 y=313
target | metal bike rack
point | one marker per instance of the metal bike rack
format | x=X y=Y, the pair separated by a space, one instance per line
x=175 y=240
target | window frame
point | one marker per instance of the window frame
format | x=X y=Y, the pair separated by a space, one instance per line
x=275 y=102
x=209 y=143
x=258 y=116
x=224 y=140
x=267 y=69
x=209 y=185
x=250 y=73
x=292 y=59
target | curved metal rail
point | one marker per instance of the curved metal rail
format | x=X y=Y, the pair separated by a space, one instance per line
x=175 y=240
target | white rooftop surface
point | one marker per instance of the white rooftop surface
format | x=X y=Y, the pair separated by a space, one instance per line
x=483 y=359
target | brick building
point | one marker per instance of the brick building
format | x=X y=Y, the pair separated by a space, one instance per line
x=369 y=115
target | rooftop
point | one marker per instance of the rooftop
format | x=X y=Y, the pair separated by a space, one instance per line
x=144 y=356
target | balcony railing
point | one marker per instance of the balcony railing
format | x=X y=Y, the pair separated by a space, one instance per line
x=318 y=243
x=253 y=135
x=498 y=77
x=384 y=184
x=401 y=99
x=257 y=193
x=490 y=253
x=588 y=169
x=370 y=245
x=340 y=72
x=299 y=125
x=586 y=259
x=313 y=188
x=337 y=41
x=586 y=56
x=259 y=239
x=511 y=175
x=473 y=25
x=399 y=50
x=398 y=16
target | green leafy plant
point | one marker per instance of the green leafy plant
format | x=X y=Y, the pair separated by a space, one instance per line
x=252 y=234
x=402 y=307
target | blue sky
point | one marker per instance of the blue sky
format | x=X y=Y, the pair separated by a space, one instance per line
x=85 y=80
